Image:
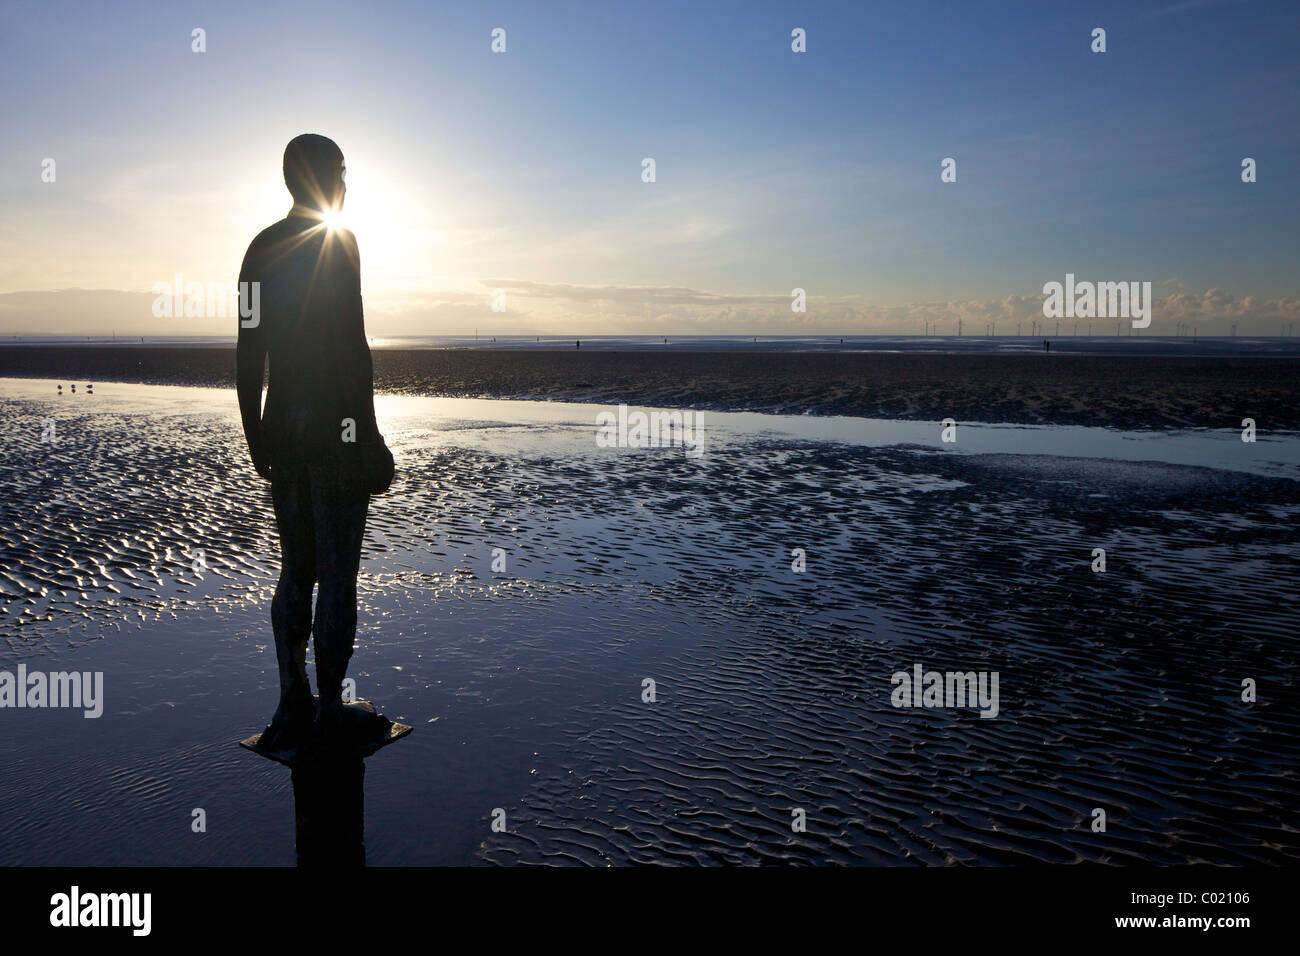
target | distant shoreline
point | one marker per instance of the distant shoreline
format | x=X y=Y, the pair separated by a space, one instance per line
x=1123 y=391
x=971 y=344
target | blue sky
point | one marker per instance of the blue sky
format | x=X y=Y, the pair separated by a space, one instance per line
x=471 y=171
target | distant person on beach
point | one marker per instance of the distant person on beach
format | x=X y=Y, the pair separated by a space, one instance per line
x=311 y=438
x=577 y=344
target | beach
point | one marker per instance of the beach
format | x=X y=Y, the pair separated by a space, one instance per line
x=1117 y=391
x=773 y=687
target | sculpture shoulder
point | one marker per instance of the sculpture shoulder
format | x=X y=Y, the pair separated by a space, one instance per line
x=266 y=242
x=349 y=243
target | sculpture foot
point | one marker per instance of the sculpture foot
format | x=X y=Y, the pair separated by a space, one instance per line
x=291 y=726
x=341 y=729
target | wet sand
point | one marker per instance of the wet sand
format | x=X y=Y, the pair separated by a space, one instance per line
x=1102 y=390
x=1118 y=690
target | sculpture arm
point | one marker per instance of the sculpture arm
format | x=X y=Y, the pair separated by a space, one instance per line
x=356 y=346
x=250 y=367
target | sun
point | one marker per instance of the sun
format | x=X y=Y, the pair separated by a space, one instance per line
x=333 y=219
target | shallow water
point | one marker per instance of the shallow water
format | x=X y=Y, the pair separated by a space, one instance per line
x=1118 y=690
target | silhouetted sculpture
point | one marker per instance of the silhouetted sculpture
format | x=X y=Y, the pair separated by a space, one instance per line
x=316 y=441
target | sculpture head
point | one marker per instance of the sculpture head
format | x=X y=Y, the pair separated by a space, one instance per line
x=314 y=172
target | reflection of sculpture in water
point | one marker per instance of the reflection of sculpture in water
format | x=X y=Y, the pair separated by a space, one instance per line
x=329 y=812
x=315 y=441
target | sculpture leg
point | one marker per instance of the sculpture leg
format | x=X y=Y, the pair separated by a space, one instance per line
x=291 y=614
x=340 y=522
